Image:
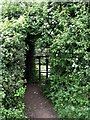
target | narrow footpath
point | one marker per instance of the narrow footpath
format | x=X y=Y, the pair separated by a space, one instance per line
x=37 y=106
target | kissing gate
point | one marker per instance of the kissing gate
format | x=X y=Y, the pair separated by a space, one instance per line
x=42 y=66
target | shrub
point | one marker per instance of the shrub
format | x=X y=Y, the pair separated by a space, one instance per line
x=69 y=85
x=13 y=65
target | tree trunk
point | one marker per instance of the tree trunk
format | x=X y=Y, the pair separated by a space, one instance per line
x=30 y=61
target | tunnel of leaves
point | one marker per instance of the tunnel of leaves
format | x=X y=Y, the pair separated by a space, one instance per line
x=62 y=28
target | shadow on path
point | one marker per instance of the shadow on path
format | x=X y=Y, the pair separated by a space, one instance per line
x=37 y=106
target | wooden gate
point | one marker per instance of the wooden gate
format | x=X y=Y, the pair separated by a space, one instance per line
x=42 y=61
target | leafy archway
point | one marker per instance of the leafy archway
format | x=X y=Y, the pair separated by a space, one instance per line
x=64 y=29
x=21 y=27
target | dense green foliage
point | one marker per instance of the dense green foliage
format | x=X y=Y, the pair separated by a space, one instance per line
x=18 y=26
x=13 y=67
x=70 y=61
x=13 y=63
x=62 y=28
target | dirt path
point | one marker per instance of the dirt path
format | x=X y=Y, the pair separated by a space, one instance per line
x=37 y=106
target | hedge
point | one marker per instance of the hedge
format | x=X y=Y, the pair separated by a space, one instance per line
x=13 y=65
x=62 y=28
x=69 y=83
x=17 y=24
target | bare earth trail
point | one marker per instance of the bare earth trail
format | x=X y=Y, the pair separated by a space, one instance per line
x=37 y=106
